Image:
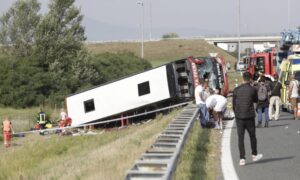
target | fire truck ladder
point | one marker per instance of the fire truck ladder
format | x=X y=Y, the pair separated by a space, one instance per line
x=159 y=161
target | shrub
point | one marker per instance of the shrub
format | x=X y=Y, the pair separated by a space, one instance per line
x=170 y=35
x=111 y=66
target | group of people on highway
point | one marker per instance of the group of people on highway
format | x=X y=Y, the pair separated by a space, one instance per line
x=250 y=98
x=265 y=94
x=210 y=103
x=268 y=96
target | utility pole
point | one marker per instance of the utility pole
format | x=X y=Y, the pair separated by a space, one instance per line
x=239 y=32
x=289 y=14
x=141 y=3
x=150 y=14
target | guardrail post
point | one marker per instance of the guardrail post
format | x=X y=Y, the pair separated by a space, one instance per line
x=127 y=122
x=122 y=120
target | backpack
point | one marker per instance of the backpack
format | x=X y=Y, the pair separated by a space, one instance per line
x=262 y=93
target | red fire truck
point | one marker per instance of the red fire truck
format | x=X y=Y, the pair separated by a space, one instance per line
x=262 y=62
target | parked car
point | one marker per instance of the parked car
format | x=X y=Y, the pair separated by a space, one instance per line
x=240 y=66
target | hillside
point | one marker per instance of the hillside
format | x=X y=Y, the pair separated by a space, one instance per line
x=97 y=157
x=159 y=52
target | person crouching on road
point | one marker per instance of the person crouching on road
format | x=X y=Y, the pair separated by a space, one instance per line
x=217 y=103
x=276 y=87
x=7 y=130
x=200 y=102
x=244 y=97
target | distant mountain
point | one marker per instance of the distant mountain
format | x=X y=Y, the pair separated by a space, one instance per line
x=100 y=31
x=97 y=31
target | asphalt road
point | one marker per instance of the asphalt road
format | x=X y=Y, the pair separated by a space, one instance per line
x=280 y=146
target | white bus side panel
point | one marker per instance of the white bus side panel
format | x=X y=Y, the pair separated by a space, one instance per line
x=119 y=96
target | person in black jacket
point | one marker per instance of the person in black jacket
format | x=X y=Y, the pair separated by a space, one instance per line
x=244 y=97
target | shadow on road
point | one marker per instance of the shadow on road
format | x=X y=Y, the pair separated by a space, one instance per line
x=287 y=119
x=270 y=126
x=278 y=125
x=271 y=160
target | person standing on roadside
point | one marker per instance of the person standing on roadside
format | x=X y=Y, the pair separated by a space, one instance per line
x=200 y=102
x=206 y=91
x=244 y=97
x=263 y=93
x=7 y=130
x=293 y=95
x=276 y=87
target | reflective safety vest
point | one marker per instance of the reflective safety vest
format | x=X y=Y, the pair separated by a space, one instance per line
x=6 y=125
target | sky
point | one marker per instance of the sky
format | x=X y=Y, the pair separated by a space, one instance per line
x=106 y=20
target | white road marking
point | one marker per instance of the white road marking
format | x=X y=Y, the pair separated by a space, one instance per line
x=228 y=170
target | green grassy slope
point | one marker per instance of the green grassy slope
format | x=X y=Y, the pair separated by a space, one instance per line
x=163 y=51
x=200 y=157
x=160 y=52
x=103 y=156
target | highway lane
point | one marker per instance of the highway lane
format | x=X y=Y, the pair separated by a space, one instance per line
x=280 y=145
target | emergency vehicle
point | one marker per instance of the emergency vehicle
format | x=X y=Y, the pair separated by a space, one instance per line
x=290 y=46
x=264 y=62
x=288 y=67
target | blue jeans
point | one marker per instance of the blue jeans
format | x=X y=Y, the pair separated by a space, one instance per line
x=260 y=112
x=203 y=114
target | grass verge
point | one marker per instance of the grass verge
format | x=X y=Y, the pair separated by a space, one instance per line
x=200 y=158
x=24 y=119
x=164 y=51
x=103 y=156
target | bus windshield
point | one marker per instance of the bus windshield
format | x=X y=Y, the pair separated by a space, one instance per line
x=207 y=71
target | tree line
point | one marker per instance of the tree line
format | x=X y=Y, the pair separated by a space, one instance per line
x=43 y=57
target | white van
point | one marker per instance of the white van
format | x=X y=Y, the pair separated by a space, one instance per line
x=240 y=66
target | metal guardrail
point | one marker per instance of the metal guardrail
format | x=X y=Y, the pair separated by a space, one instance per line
x=159 y=161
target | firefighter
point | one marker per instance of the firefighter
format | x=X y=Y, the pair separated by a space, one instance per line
x=7 y=130
x=64 y=122
x=41 y=119
x=64 y=119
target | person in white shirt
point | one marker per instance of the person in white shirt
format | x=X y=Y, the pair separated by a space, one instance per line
x=63 y=114
x=293 y=94
x=217 y=103
x=267 y=77
x=200 y=102
x=206 y=91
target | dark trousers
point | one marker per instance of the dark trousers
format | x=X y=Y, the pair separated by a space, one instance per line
x=248 y=125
